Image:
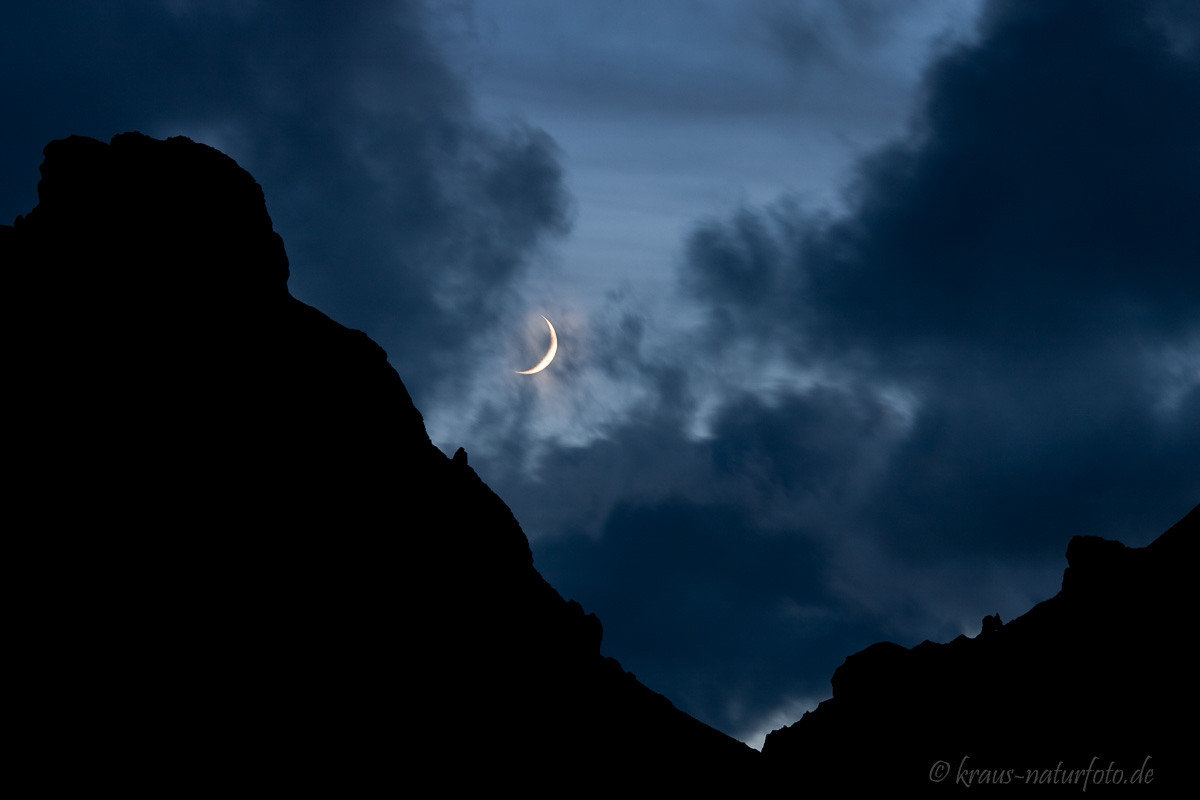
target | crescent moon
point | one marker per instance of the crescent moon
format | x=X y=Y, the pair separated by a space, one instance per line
x=546 y=359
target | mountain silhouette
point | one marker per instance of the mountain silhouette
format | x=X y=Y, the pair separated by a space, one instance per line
x=245 y=563
x=239 y=561
x=1098 y=677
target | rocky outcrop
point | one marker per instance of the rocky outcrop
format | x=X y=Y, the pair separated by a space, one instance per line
x=1097 y=677
x=240 y=562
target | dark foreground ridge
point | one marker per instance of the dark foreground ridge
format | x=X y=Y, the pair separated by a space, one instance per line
x=239 y=563
x=1100 y=676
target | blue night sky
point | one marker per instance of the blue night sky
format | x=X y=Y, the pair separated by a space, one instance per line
x=864 y=308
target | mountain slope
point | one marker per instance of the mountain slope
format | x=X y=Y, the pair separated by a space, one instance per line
x=242 y=561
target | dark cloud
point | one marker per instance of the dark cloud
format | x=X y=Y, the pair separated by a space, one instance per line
x=1043 y=195
x=747 y=267
x=818 y=445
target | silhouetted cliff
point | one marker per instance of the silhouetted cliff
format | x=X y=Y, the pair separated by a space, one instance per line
x=242 y=562
x=238 y=561
x=1101 y=675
